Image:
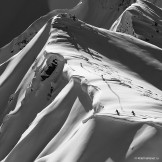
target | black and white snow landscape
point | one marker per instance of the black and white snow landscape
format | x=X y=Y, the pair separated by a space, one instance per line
x=84 y=85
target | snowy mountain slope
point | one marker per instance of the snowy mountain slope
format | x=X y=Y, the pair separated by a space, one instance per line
x=142 y=20
x=83 y=94
x=16 y=17
x=98 y=12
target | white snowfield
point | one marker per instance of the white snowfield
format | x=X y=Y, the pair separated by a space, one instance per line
x=80 y=93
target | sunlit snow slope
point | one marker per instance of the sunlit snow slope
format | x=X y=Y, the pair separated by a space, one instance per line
x=142 y=20
x=73 y=92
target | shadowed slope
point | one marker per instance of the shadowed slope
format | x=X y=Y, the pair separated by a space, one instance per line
x=158 y=3
x=61 y=4
x=16 y=16
x=13 y=74
x=101 y=13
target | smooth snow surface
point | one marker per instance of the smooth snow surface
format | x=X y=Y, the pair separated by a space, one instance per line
x=79 y=93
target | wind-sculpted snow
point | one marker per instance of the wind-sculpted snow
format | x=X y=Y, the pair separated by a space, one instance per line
x=76 y=92
x=142 y=20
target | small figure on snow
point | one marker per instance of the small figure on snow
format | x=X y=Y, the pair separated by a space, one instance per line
x=74 y=17
x=117 y=112
x=133 y=113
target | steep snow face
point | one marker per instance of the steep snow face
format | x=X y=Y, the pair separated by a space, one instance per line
x=80 y=93
x=142 y=20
